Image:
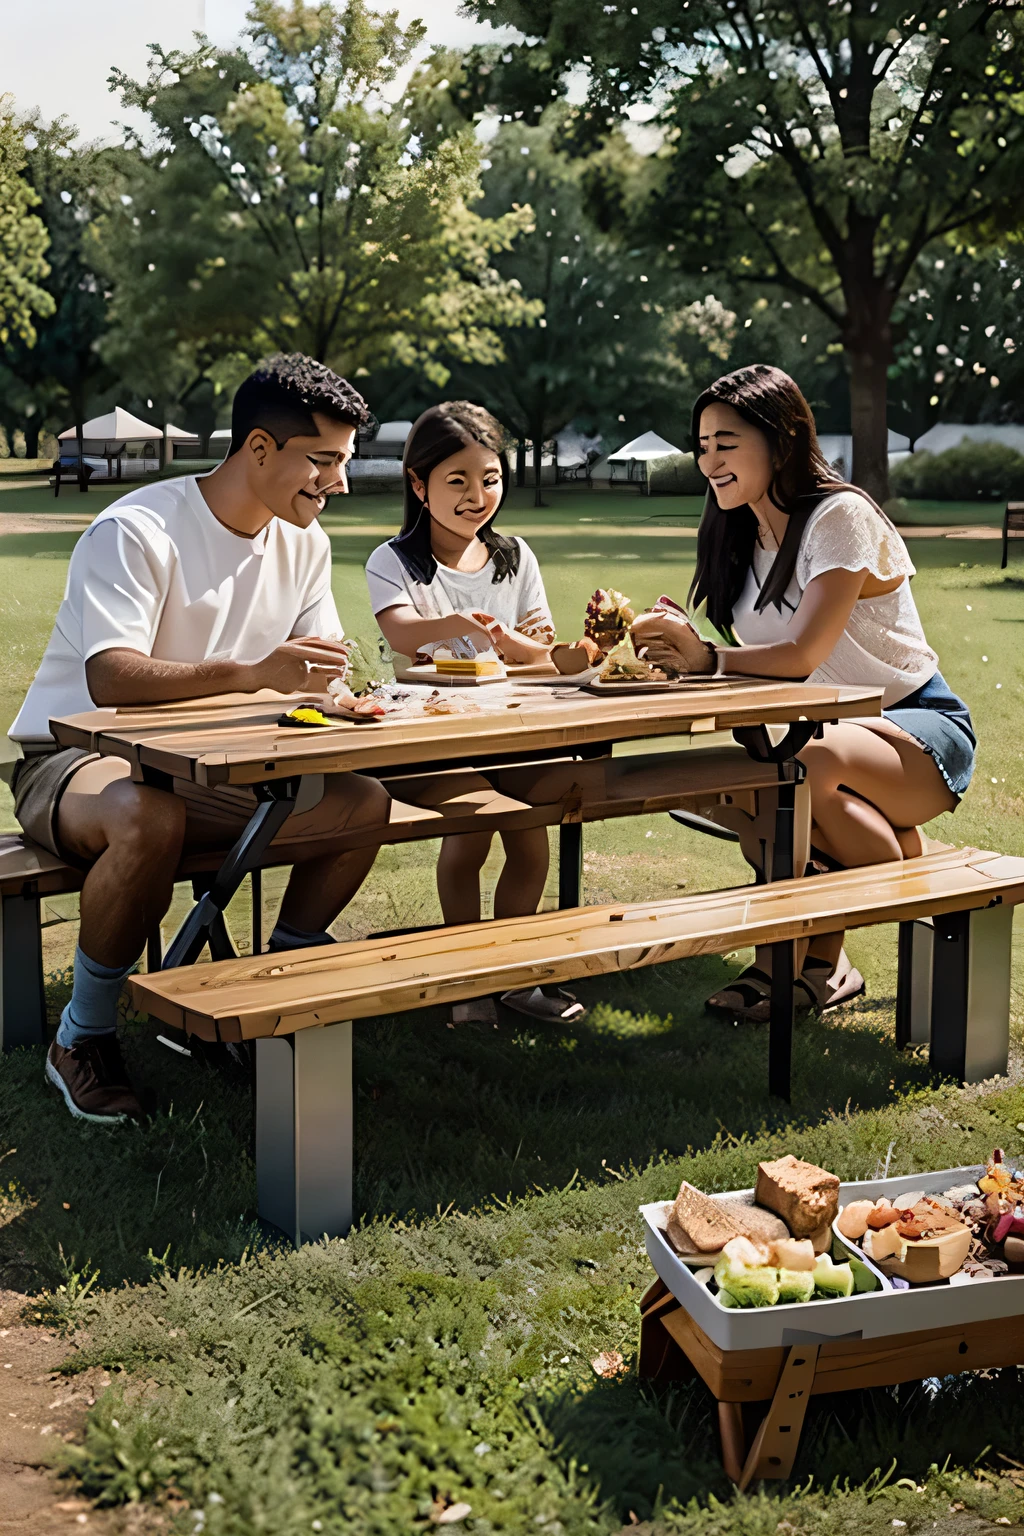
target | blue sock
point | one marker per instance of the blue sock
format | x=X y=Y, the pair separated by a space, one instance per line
x=92 y=1010
x=285 y=936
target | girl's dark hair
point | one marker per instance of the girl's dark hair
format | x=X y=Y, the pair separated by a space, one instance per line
x=441 y=431
x=770 y=400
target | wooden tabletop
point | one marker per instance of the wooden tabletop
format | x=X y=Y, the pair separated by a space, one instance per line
x=235 y=739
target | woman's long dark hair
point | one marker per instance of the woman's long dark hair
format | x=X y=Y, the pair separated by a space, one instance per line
x=768 y=399
x=441 y=431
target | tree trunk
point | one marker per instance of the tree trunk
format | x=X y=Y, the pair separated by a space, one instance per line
x=869 y=352
x=31 y=430
x=538 y=454
x=520 y=465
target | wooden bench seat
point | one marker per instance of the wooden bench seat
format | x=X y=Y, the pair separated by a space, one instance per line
x=304 y=1070
x=563 y=792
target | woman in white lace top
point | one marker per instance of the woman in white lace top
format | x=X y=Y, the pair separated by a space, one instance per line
x=813 y=581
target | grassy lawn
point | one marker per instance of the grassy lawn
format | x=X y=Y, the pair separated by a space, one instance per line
x=442 y=1353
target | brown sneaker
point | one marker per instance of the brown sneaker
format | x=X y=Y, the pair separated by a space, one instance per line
x=93 y=1080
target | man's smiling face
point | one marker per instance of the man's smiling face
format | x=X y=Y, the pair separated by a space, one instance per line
x=294 y=480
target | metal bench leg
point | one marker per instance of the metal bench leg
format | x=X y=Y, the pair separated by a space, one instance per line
x=970 y=1014
x=570 y=864
x=914 y=983
x=22 y=999
x=304 y=1132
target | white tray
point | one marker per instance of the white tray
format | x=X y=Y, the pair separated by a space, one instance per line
x=873 y=1315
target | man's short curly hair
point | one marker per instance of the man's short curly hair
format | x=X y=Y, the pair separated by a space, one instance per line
x=281 y=395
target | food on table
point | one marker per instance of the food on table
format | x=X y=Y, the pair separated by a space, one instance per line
x=794 y=1253
x=805 y=1196
x=853 y=1218
x=749 y=1275
x=623 y=665
x=484 y=664
x=572 y=659
x=609 y=616
x=884 y=1214
x=832 y=1279
x=305 y=717
x=697 y=1224
x=450 y=704
x=386 y=699
x=796 y=1284
x=997 y=1176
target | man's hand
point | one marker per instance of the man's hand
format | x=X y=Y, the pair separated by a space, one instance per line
x=303 y=665
x=670 y=641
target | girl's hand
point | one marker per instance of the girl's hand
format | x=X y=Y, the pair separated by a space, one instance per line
x=667 y=640
x=509 y=644
x=477 y=627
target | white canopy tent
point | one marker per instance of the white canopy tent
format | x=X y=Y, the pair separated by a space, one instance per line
x=643 y=449
x=638 y=454
x=390 y=440
x=951 y=435
x=838 y=449
x=117 y=426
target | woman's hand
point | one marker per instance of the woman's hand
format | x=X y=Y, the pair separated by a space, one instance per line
x=669 y=641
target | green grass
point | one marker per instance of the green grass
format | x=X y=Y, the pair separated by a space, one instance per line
x=498 y=1175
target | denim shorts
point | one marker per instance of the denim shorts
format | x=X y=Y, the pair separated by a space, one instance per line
x=941 y=723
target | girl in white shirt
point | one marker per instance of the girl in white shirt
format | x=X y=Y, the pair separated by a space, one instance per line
x=813 y=581
x=450 y=579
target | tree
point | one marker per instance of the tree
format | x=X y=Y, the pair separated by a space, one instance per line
x=287 y=205
x=55 y=377
x=23 y=238
x=817 y=147
x=959 y=353
x=598 y=347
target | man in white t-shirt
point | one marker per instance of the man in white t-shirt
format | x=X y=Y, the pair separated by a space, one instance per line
x=181 y=589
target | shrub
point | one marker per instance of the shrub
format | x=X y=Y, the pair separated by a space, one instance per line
x=970 y=472
x=676 y=475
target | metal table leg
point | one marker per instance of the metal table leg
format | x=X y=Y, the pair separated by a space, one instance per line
x=277 y=801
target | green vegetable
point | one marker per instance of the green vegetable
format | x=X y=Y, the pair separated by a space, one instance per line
x=832 y=1279
x=863 y=1279
x=796 y=1284
x=746 y=1287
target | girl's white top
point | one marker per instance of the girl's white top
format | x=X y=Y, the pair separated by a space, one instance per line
x=883 y=644
x=451 y=591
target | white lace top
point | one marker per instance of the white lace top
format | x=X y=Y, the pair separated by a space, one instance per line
x=883 y=645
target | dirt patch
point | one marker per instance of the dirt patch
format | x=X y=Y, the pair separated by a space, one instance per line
x=40 y=1409
x=41 y=522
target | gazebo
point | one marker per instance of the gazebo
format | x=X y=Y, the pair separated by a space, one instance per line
x=638 y=453
x=105 y=440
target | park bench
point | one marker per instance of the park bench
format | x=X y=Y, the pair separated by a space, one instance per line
x=562 y=792
x=299 y=1007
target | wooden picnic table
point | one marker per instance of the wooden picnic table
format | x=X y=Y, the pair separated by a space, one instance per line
x=237 y=741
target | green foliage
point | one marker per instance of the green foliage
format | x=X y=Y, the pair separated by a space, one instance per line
x=960 y=340
x=286 y=205
x=55 y=380
x=676 y=475
x=819 y=149
x=971 y=471
x=23 y=238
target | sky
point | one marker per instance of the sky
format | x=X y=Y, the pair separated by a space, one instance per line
x=57 y=53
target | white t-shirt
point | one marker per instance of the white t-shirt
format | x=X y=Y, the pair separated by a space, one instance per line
x=451 y=591
x=883 y=644
x=157 y=573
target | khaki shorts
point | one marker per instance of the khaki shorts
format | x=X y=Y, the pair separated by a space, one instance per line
x=37 y=783
x=214 y=817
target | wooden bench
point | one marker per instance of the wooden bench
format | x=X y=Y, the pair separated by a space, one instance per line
x=562 y=792
x=299 y=1008
x=1013 y=525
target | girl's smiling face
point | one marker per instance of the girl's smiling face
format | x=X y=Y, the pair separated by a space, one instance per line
x=735 y=456
x=463 y=491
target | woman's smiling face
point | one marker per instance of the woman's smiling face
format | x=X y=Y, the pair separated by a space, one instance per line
x=463 y=492
x=735 y=457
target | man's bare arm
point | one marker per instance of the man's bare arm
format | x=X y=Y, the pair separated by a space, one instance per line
x=122 y=676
